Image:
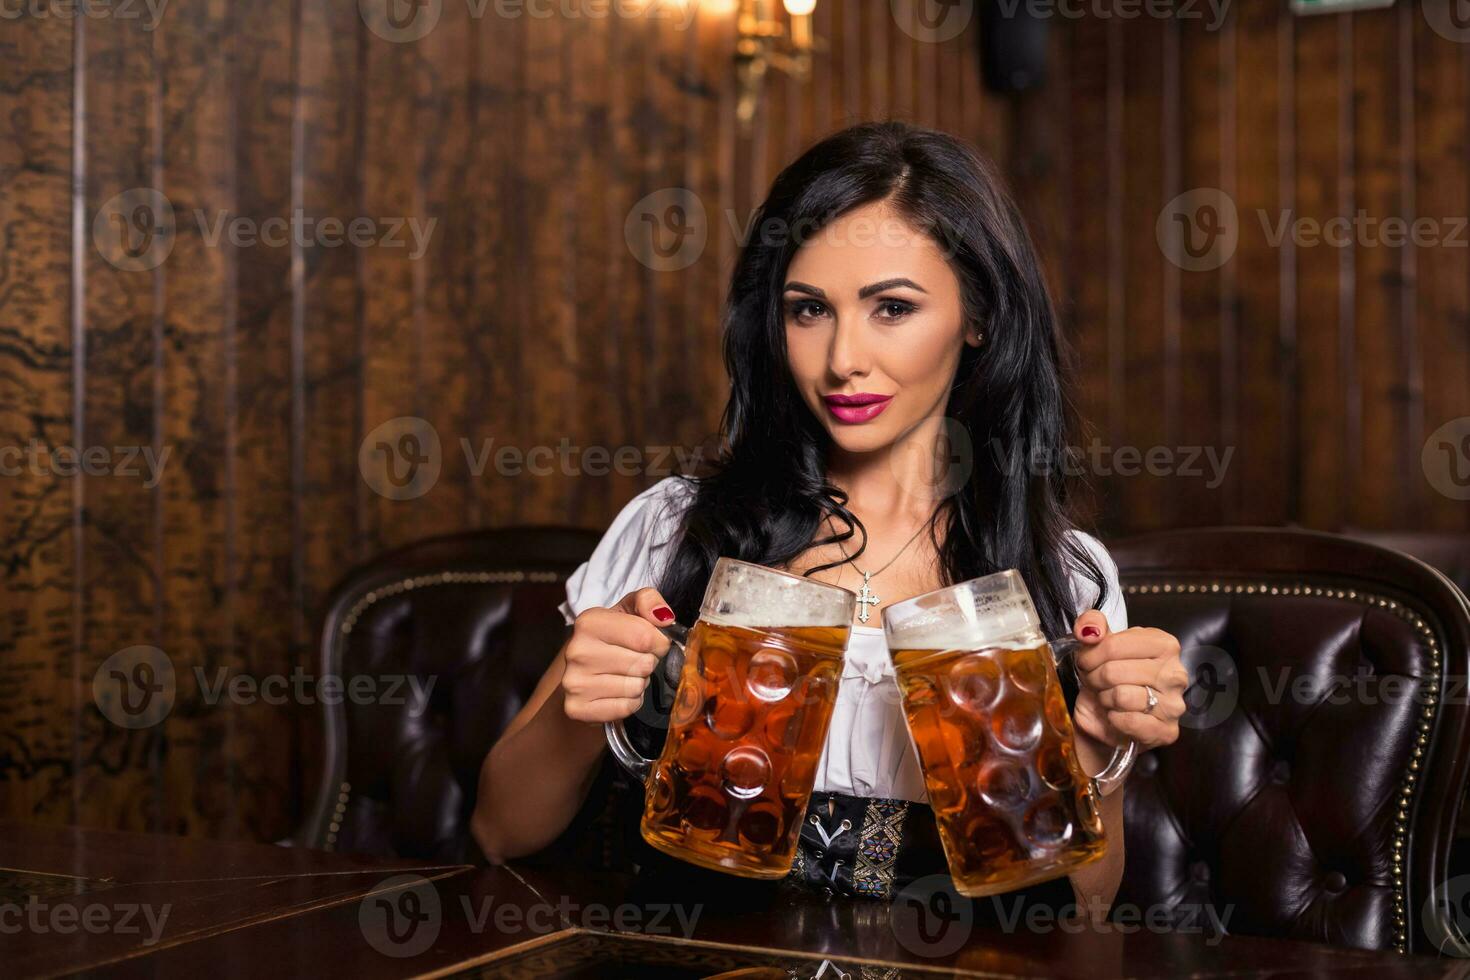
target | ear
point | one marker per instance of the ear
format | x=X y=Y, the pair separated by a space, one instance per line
x=973 y=335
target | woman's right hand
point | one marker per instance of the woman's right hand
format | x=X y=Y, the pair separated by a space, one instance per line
x=611 y=655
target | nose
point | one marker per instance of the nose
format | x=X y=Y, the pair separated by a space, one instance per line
x=848 y=356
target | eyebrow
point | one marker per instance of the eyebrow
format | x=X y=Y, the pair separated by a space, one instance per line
x=864 y=293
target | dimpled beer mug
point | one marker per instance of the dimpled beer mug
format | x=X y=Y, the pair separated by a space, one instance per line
x=990 y=726
x=757 y=680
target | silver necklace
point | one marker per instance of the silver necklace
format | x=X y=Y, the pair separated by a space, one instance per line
x=866 y=597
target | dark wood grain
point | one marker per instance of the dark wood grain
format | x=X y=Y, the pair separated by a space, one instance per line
x=39 y=703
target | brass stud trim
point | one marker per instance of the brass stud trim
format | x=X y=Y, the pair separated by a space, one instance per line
x=442 y=578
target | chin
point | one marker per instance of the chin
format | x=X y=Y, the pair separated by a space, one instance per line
x=861 y=438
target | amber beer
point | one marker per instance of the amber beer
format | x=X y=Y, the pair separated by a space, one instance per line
x=755 y=696
x=731 y=786
x=990 y=726
x=995 y=741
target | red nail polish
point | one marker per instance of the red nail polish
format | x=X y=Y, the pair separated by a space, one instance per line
x=664 y=614
x=1090 y=632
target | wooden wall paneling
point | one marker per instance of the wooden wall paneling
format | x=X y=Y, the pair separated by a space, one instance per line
x=1442 y=291
x=1200 y=342
x=1039 y=169
x=1380 y=460
x=715 y=278
x=877 y=61
x=498 y=321
x=41 y=688
x=117 y=767
x=903 y=54
x=441 y=117
x=1262 y=472
x=652 y=327
x=260 y=747
x=327 y=114
x=393 y=303
x=549 y=355
x=1088 y=298
x=195 y=52
x=1148 y=305
x=824 y=84
x=681 y=421
x=705 y=281
x=598 y=233
x=1323 y=191
x=847 y=65
x=628 y=373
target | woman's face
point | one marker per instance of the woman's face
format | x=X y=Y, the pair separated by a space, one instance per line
x=874 y=328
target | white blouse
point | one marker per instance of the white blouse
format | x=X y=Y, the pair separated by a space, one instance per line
x=868 y=751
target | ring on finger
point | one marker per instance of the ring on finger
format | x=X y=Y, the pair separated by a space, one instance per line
x=1153 y=699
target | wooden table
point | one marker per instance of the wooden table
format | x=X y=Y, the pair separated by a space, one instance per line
x=137 y=905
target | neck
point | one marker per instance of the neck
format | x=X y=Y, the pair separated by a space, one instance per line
x=897 y=484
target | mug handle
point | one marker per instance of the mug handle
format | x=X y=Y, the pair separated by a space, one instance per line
x=1116 y=770
x=617 y=734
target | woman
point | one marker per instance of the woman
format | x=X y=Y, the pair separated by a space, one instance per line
x=898 y=409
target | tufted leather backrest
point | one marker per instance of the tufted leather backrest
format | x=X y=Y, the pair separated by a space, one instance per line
x=472 y=620
x=1313 y=791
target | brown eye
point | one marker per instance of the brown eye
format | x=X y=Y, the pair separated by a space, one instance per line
x=804 y=309
x=895 y=309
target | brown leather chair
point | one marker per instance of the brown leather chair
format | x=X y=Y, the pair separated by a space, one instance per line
x=474 y=613
x=1313 y=791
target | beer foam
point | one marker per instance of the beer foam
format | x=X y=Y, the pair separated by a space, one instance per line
x=755 y=597
x=995 y=611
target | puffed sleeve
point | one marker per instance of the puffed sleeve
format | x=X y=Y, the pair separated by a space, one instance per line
x=633 y=550
x=1085 y=590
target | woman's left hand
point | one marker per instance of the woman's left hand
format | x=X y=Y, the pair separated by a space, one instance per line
x=1116 y=670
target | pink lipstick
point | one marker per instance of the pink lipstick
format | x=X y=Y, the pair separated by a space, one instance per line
x=854 y=409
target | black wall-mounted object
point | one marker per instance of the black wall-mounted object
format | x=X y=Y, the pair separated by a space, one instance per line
x=1013 y=42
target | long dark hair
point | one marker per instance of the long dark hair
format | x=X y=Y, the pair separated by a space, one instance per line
x=766 y=493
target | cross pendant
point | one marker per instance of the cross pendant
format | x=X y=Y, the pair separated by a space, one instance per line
x=865 y=599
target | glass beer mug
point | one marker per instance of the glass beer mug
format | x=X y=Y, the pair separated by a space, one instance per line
x=995 y=742
x=757 y=681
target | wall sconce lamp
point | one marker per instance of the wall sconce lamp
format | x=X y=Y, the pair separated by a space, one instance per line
x=764 y=43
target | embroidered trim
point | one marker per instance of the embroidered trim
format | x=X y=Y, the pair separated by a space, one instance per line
x=877 y=849
x=798 y=864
